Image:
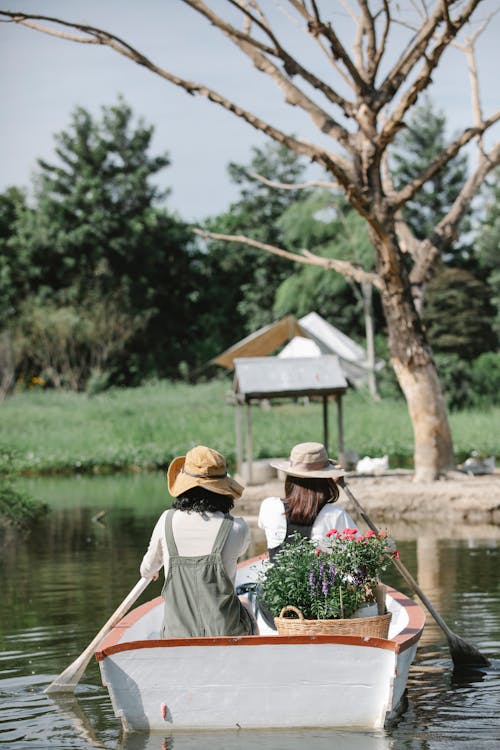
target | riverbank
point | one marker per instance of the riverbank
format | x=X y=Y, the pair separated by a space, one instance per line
x=394 y=500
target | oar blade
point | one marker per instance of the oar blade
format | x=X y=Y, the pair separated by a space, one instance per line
x=69 y=679
x=465 y=655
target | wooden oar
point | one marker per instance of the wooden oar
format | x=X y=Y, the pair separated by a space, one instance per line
x=67 y=680
x=462 y=653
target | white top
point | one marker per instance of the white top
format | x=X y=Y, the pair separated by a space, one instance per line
x=272 y=519
x=194 y=535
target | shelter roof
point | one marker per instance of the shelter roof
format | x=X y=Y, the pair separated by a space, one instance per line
x=268 y=377
x=261 y=342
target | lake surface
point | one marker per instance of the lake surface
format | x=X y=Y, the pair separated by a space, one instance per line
x=61 y=584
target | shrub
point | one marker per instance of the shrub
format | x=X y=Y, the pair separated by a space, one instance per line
x=16 y=508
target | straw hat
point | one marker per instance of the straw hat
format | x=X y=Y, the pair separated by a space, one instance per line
x=309 y=460
x=201 y=467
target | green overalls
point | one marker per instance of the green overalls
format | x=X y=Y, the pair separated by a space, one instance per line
x=200 y=599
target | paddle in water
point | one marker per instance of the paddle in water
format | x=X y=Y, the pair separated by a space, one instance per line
x=67 y=680
x=463 y=654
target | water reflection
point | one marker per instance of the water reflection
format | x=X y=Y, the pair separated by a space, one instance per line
x=63 y=582
x=271 y=740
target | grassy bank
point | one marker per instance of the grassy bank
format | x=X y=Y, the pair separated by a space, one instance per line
x=144 y=428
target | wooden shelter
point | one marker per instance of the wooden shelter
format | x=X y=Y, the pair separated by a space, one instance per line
x=258 y=378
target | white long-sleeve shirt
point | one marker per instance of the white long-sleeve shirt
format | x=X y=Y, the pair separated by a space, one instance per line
x=273 y=520
x=194 y=535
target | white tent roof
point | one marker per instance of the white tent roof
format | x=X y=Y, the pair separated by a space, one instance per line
x=299 y=346
x=330 y=339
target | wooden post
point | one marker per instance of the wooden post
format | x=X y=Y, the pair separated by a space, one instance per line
x=239 y=440
x=325 y=422
x=340 y=424
x=249 y=444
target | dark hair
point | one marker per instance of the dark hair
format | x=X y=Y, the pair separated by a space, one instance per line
x=305 y=497
x=201 y=500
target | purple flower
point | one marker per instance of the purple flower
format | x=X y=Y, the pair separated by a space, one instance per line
x=312 y=582
x=332 y=573
x=324 y=586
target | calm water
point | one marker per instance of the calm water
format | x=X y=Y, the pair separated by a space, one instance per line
x=61 y=584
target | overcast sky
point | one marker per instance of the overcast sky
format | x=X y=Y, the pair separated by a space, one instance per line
x=43 y=79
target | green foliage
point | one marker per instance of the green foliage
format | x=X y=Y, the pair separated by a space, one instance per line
x=17 y=508
x=455 y=377
x=458 y=314
x=415 y=148
x=485 y=380
x=239 y=282
x=470 y=384
x=324 y=224
x=97 y=230
x=488 y=241
x=329 y=582
x=15 y=270
x=67 y=344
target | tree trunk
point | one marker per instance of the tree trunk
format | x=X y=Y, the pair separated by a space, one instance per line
x=414 y=367
x=432 y=437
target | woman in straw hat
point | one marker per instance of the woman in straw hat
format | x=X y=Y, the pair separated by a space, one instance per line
x=309 y=506
x=198 y=543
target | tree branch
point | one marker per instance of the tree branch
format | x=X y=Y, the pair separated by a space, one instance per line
x=445 y=231
x=291 y=64
x=317 y=27
x=343 y=267
x=297 y=185
x=405 y=194
x=417 y=50
x=332 y=162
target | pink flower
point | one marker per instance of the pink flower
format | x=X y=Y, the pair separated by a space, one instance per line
x=317 y=551
x=396 y=554
x=369 y=533
x=332 y=532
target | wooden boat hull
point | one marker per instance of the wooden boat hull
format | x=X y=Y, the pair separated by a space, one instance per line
x=256 y=682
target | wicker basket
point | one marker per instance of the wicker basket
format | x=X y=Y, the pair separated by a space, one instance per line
x=374 y=627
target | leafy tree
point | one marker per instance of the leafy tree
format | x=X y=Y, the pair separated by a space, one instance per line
x=325 y=224
x=487 y=244
x=240 y=282
x=14 y=266
x=97 y=228
x=458 y=314
x=415 y=148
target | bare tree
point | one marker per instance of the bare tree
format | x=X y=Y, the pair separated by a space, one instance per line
x=384 y=79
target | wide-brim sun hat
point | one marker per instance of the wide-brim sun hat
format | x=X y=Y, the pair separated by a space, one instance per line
x=309 y=460
x=201 y=467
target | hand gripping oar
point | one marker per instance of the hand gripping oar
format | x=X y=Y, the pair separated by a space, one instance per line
x=462 y=653
x=71 y=676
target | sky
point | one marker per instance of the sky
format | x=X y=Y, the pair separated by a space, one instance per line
x=43 y=79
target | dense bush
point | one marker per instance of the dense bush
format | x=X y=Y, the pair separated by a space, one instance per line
x=485 y=379
x=16 y=508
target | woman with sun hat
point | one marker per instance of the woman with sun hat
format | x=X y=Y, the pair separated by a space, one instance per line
x=309 y=506
x=198 y=543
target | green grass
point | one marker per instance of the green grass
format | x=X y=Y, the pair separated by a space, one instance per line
x=144 y=428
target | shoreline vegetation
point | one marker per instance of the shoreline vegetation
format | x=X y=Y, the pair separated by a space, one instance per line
x=144 y=428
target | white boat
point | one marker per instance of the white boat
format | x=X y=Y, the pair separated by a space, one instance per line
x=265 y=681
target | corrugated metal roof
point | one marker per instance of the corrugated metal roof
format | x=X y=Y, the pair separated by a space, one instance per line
x=267 y=377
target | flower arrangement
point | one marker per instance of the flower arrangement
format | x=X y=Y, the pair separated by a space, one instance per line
x=328 y=582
